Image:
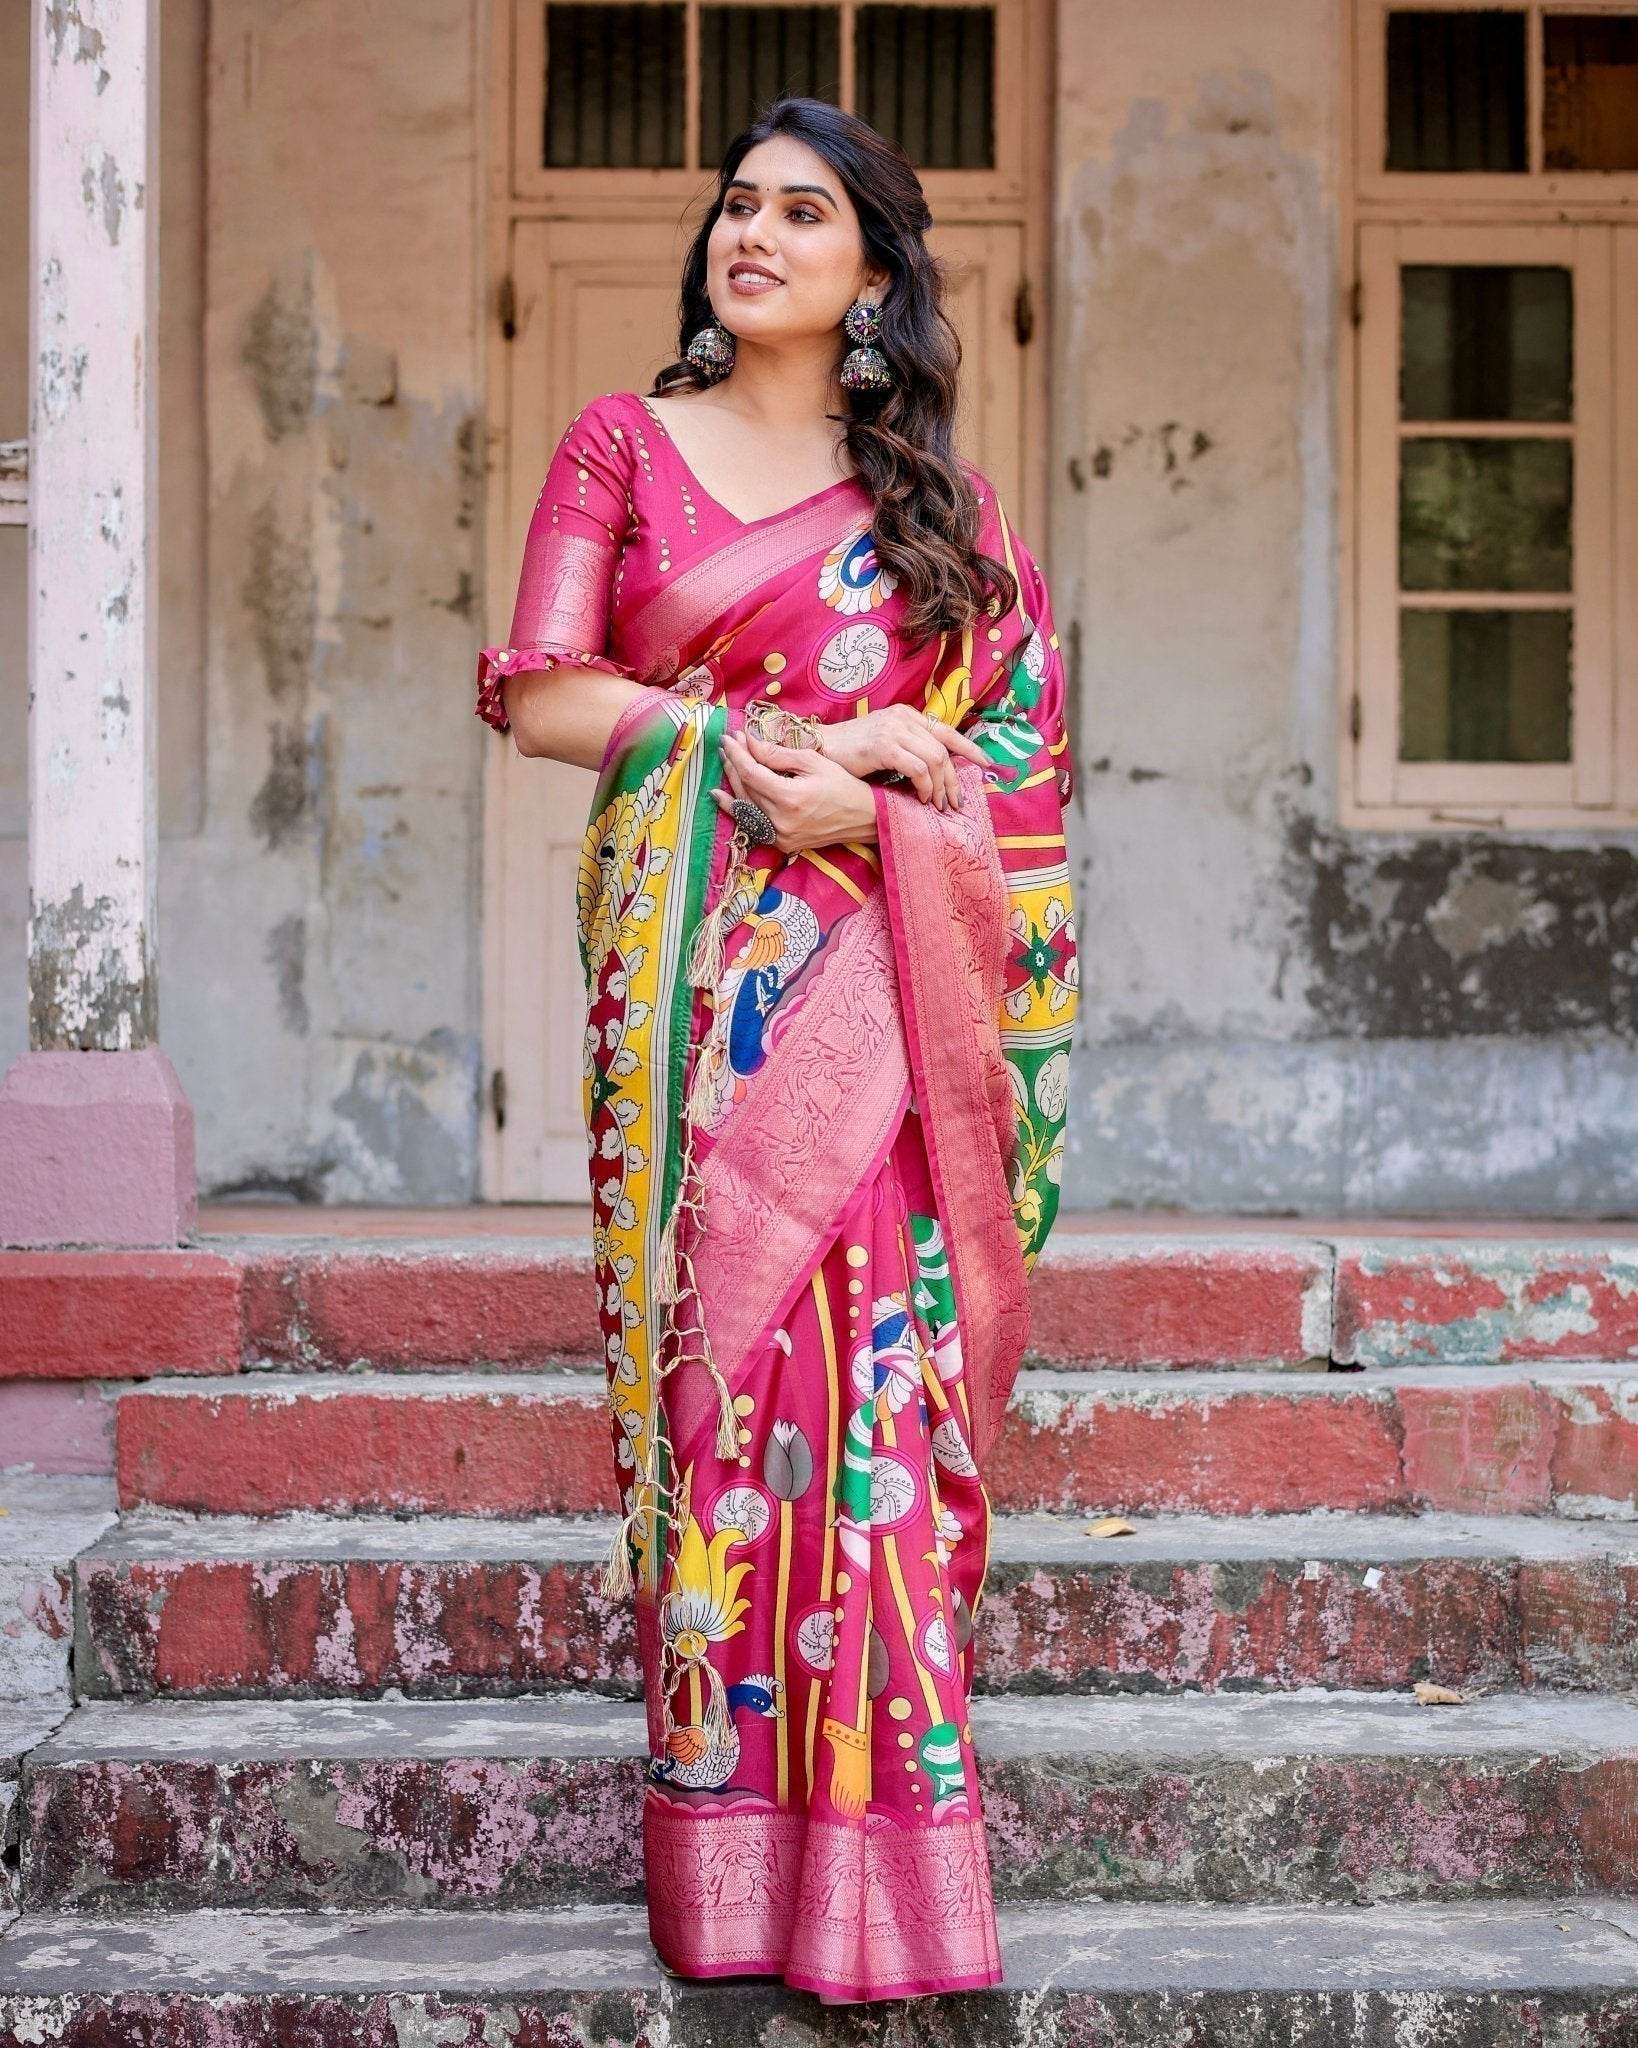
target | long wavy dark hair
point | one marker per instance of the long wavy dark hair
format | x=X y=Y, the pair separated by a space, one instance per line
x=900 y=438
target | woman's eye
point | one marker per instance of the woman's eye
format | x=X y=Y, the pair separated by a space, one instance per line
x=800 y=213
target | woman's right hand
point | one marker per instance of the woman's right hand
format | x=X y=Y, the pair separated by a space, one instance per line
x=812 y=800
x=904 y=741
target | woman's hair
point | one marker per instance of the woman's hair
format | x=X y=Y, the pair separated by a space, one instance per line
x=900 y=437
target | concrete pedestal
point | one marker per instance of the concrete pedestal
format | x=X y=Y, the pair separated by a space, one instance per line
x=96 y=1148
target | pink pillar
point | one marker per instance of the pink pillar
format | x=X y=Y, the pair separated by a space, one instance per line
x=96 y=1136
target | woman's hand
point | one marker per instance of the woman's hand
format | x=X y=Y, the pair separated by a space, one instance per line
x=907 y=741
x=811 y=798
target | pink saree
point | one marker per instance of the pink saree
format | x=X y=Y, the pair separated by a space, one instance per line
x=825 y=1098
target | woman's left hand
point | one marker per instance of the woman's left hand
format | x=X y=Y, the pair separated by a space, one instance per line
x=908 y=744
x=813 y=801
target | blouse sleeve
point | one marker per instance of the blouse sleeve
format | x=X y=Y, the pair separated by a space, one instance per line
x=570 y=554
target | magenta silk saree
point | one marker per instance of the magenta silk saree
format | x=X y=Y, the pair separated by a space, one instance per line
x=825 y=1099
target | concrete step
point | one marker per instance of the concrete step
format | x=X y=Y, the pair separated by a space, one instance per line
x=1294 y=1798
x=327 y=1300
x=45 y=1522
x=1204 y=1293
x=282 y=1606
x=1552 y=1438
x=1504 y=1974
x=23 y=1725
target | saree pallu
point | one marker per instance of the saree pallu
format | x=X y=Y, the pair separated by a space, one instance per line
x=825 y=1097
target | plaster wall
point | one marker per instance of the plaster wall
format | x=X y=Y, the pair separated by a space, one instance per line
x=323 y=929
x=318 y=926
x=1277 y=1014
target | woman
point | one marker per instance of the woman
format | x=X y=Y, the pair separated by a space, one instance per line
x=824 y=917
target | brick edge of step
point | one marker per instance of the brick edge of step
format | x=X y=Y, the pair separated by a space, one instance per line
x=1217 y=1796
x=1551 y=1437
x=1202 y=1299
x=308 y=1605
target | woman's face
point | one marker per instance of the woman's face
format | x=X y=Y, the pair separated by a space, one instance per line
x=807 y=237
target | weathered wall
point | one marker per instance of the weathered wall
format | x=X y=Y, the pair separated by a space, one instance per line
x=317 y=923
x=321 y=982
x=1277 y=1014
x=318 y=870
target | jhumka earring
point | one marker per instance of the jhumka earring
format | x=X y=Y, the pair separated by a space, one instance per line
x=864 y=368
x=712 y=350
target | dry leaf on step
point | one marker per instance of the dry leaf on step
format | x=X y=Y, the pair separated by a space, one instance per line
x=1430 y=1695
x=1111 y=1525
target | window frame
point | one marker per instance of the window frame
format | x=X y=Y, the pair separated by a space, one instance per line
x=1003 y=187
x=1533 y=186
x=1588 y=222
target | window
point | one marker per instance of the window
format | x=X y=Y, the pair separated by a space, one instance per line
x=1492 y=672
x=614 y=86
x=623 y=82
x=1589 y=92
x=748 y=54
x=925 y=77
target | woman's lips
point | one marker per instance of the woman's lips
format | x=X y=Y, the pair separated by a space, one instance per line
x=751 y=284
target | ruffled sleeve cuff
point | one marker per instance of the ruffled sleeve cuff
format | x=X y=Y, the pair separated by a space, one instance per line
x=496 y=662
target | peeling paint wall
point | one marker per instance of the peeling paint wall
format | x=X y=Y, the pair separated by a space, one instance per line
x=181 y=610
x=1277 y=1014
x=331 y=904
x=319 y=926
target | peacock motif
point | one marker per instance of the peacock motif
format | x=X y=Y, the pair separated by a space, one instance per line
x=702 y=1606
x=703 y=1755
x=782 y=938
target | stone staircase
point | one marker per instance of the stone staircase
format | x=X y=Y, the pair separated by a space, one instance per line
x=321 y=1732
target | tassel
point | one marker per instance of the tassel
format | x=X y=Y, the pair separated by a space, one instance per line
x=705 y=948
x=741 y=887
x=616 y=1581
x=727 y=1420
x=700 y=1089
x=665 y=1263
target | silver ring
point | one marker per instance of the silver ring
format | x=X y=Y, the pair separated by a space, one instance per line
x=754 y=821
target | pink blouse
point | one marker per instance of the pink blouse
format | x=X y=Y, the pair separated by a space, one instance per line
x=619 y=512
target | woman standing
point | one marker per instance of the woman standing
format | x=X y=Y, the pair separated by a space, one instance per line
x=825 y=922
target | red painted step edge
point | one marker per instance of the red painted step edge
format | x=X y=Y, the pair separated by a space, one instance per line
x=1112 y=1304
x=279 y=1625
x=397 y=1307
x=1282 y=1444
x=78 y=1315
x=1484 y=1304
x=446 y=1304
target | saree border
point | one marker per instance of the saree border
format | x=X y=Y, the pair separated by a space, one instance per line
x=836 y=1908
x=677 y=739
x=947 y=894
x=704 y=589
